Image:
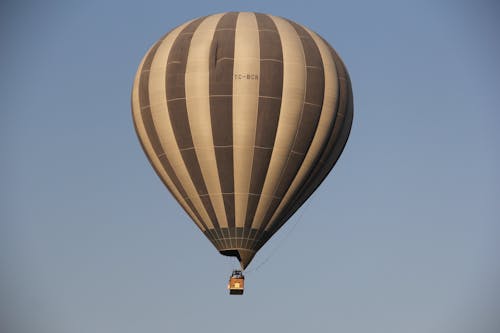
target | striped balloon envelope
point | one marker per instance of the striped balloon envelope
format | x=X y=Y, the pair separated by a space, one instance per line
x=242 y=116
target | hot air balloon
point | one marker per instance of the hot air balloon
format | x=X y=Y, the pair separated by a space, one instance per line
x=242 y=116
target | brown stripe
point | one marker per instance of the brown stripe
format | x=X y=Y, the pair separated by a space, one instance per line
x=221 y=107
x=311 y=111
x=149 y=126
x=177 y=109
x=270 y=90
x=333 y=148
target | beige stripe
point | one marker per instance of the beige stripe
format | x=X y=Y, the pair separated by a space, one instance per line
x=159 y=168
x=294 y=89
x=198 y=110
x=328 y=112
x=245 y=106
x=161 y=119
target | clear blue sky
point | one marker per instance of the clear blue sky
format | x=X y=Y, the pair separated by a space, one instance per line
x=403 y=237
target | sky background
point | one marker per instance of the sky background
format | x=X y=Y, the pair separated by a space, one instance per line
x=402 y=237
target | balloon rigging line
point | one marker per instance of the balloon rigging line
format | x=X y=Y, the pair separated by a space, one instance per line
x=282 y=241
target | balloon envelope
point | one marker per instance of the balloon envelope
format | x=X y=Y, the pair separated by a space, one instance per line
x=242 y=116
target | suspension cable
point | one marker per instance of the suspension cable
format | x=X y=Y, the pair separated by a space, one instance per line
x=282 y=241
